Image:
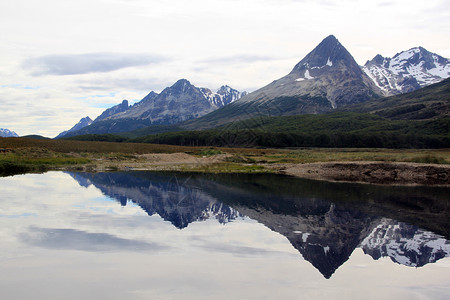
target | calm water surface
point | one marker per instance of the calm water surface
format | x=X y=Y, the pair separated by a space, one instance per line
x=144 y=235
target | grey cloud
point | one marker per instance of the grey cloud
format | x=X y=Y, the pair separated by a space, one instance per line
x=70 y=239
x=108 y=84
x=241 y=58
x=71 y=64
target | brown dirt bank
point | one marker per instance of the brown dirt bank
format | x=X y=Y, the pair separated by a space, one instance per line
x=394 y=173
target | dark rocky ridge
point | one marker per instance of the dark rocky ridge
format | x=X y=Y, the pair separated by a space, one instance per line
x=113 y=110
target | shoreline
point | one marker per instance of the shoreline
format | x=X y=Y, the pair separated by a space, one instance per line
x=427 y=167
x=371 y=172
x=366 y=172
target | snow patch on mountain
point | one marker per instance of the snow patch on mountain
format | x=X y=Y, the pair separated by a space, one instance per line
x=329 y=62
x=407 y=71
x=4 y=132
x=307 y=75
x=223 y=96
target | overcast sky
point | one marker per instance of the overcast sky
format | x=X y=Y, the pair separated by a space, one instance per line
x=62 y=60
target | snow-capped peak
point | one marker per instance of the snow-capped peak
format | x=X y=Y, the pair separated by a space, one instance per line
x=7 y=133
x=408 y=70
x=224 y=95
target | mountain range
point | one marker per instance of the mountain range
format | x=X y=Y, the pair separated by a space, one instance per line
x=326 y=79
x=180 y=102
x=7 y=133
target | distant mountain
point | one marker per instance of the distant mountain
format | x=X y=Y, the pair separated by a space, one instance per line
x=36 y=137
x=180 y=102
x=327 y=78
x=81 y=124
x=430 y=102
x=7 y=133
x=175 y=104
x=407 y=71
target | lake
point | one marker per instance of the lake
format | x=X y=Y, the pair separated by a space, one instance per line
x=157 y=235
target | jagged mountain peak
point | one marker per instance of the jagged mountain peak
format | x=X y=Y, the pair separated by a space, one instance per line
x=123 y=106
x=407 y=71
x=150 y=96
x=181 y=85
x=378 y=59
x=329 y=51
x=224 y=89
x=223 y=96
x=85 y=120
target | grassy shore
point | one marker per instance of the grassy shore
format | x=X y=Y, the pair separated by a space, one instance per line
x=20 y=155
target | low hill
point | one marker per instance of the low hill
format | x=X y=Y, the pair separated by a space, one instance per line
x=36 y=137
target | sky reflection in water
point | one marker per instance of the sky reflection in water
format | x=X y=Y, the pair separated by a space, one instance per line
x=165 y=236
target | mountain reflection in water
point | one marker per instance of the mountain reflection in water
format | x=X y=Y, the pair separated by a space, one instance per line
x=324 y=221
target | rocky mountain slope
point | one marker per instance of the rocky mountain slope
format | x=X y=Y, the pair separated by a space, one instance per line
x=327 y=78
x=81 y=124
x=407 y=71
x=175 y=104
x=116 y=109
x=4 y=132
x=180 y=102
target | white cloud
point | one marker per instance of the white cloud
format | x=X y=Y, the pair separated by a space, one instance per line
x=128 y=48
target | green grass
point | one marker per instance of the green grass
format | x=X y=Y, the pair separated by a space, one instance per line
x=227 y=168
x=30 y=155
x=208 y=152
x=430 y=159
x=22 y=162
